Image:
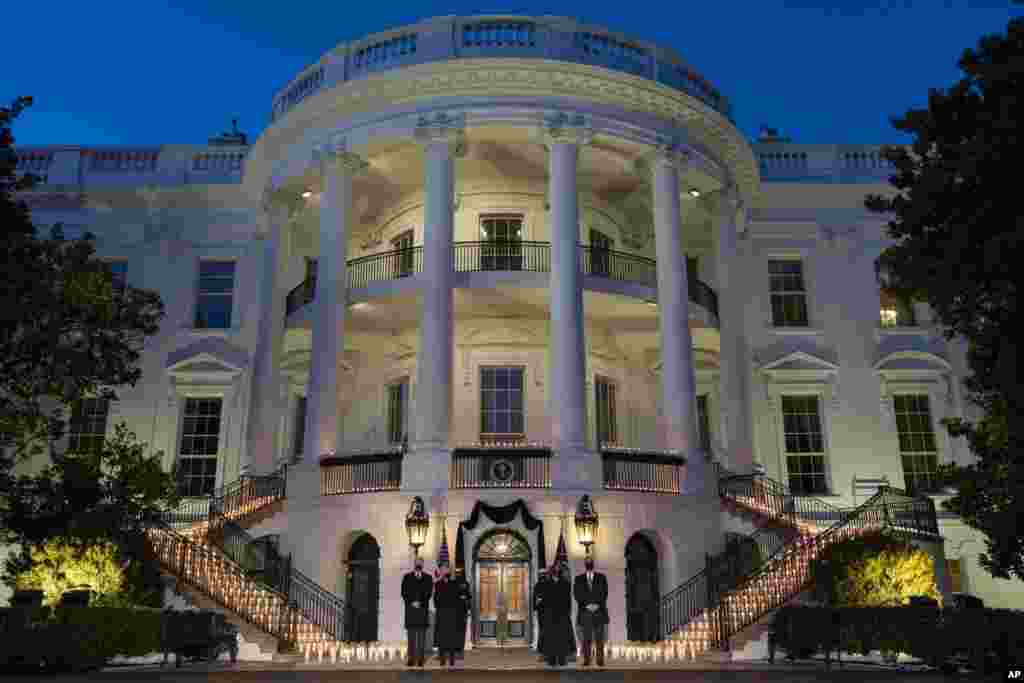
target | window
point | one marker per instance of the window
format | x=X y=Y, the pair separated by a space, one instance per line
x=197 y=455
x=600 y=246
x=604 y=390
x=789 y=298
x=298 y=441
x=502 y=235
x=216 y=285
x=88 y=425
x=917 y=442
x=501 y=401
x=398 y=401
x=403 y=259
x=895 y=311
x=955 y=571
x=703 y=424
x=804 y=445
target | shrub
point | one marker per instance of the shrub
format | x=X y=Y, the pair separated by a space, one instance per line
x=873 y=570
x=62 y=564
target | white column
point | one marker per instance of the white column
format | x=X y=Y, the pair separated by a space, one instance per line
x=429 y=460
x=265 y=406
x=323 y=423
x=678 y=382
x=575 y=468
x=736 y=428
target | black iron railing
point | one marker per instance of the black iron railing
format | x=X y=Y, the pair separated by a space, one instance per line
x=231 y=501
x=361 y=473
x=471 y=257
x=617 y=265
x=389 y=265
x=533 y=257
x=773 y=499
x=483 y=468
x=639 y=471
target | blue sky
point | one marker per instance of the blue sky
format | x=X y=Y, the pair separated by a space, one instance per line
x=149 y=72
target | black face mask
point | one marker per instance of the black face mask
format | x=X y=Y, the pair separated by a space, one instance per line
x=589 y=566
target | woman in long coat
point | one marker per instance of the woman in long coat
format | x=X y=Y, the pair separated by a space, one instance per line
x=447 y=604
x=557 y=612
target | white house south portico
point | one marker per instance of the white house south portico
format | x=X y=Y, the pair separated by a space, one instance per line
x=500 y=264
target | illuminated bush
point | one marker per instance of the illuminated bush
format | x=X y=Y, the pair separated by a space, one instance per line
x=63 y=564
x=873 y=570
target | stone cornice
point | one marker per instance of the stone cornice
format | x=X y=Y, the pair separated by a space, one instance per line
x=479 y=78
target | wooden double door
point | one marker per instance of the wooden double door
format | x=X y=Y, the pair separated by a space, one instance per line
x=503 y=608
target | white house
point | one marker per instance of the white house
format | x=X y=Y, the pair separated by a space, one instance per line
x=541 y=253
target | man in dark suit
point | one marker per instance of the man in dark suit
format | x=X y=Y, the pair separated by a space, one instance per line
x=591 y=592
x=417 y=587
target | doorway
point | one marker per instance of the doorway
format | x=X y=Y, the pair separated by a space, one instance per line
x=363 y=589
x=643 y=601
x=502 y=565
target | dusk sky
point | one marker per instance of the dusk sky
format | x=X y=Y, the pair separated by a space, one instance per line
x=148 y=72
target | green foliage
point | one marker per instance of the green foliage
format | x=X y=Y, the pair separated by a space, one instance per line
x=67 y=331
x=958 y=243
x=873 y=570
x=62 y=564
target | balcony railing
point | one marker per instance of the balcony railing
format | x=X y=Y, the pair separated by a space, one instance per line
x=471 y=257
x=506 y=256
x=642 y=471
x=501 y=468
x=390 y=265
x=616 y=265
x=361 y=474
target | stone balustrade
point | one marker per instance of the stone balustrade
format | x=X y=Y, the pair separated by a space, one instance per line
x=175 y=165
x=446 y=38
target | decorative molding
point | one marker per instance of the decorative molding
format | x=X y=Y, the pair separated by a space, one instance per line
x=512 y=77
x=442 y=129
x=333 y=152
x=561 y=128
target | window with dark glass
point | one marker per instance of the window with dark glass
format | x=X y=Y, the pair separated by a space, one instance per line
x=917 y=442
x=789 y=297
x=607 y=432
x=299 y=438
x=216 y=289
x=88 y=425
x=804 y=445
x=601 y=246
x=501 y=402
x=403 y=257
x=895 y=310
x=197 y=454
x=501 y=235
x=703 y=424
x=398 y=401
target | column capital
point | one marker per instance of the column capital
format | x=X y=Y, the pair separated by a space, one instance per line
x=440 y=130
x=280 y=204
x=567 y=130
x=332 y=154
x=669 y=154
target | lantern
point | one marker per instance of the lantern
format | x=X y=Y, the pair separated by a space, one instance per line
x=586 y=523
x=417 y=522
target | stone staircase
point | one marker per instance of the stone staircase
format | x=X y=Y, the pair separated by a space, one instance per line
x=196 y=543
x=704 y=614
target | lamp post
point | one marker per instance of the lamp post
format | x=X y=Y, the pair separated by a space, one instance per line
x=586 y=523
x=417 y=522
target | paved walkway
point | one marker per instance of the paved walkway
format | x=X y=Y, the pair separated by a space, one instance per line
x=496 y=666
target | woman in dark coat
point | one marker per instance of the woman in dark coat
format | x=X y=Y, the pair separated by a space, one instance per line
x=447 y=604
x=557 y=612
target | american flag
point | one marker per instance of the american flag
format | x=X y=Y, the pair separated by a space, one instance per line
x=443 y=557
x=561 y=556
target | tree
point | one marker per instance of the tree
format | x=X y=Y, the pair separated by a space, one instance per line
x=63 y=564
x=68 y=329
x=88 y=499
x=959 y=234
x=873 y=570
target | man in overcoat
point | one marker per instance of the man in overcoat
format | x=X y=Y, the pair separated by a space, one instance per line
x=557 y=612
x=591 y=592
x=447 y=606
x=417 y=587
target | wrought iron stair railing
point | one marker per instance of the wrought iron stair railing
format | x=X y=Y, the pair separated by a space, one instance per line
x=231 y=502
x=772 y=499
x=728 y=595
